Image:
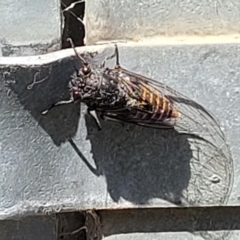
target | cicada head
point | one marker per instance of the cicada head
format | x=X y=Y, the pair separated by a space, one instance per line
x=84 y=82
x=79 y=81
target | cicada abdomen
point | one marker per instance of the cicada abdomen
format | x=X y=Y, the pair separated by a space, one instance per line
x=159 y=105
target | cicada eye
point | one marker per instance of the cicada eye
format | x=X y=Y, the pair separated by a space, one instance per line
x=76 y=94
x=86 y=69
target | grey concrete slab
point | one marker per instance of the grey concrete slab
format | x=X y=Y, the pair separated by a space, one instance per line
x=42 y=171
x=29 y=27
x=133 y=20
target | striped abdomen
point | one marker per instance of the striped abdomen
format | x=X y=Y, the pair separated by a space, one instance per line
x=159 y=105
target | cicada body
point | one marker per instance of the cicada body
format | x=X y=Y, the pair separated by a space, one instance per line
x=120 y=95
x=124 y=96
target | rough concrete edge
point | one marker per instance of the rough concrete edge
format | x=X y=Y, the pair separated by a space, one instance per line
x=47 y=58
x=34 y=208
x=67 y=53
x=30 y=208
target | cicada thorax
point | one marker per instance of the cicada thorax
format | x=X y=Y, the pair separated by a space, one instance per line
x=98 y=91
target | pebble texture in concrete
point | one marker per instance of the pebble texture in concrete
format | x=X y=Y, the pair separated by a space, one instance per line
x=22 y=24
x=41 y=170
x=109 y=20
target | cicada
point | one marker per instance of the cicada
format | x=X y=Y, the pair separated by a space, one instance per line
x=123 y=96
x=119 y=95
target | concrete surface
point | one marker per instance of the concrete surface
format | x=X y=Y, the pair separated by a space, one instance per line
x=110 y=20
x=42 y=171
x=29 y=27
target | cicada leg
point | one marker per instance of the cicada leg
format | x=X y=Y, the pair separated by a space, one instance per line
x=71 y=100
x=123 y=124
x=115 y=54
x=93 y=114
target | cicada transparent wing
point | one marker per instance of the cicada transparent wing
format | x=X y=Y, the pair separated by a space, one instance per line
x=211 y=164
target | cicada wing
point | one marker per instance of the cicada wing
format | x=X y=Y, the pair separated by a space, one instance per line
x=212 y=162
x=193 y=117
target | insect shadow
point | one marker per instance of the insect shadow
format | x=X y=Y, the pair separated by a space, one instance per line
x=140 y=164
x=37 y=87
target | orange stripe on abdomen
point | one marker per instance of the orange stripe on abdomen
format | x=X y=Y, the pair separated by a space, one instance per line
x=144 y=94
x=161 y=107
x=151 y=98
